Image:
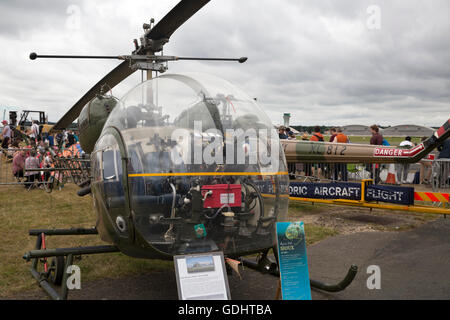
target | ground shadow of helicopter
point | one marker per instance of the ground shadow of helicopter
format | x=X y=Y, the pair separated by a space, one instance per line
x=178 y=165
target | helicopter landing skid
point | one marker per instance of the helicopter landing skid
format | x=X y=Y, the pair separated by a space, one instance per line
x=55 y=273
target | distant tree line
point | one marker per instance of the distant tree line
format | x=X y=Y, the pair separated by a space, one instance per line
x=310 y=129
x=325 y=129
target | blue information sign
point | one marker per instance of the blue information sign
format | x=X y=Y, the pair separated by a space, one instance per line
x=294 y=273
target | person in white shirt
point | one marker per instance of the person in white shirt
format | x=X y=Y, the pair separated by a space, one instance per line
x=34 y=130
x=403 y=168
x=6 y=133
x=6 y=130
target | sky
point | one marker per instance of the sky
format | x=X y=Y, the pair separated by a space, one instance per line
x=327 y=62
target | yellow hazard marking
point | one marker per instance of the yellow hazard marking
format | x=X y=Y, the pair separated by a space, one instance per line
x=190 y=174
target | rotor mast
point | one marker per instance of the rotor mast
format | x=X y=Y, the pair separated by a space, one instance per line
x=144 y=56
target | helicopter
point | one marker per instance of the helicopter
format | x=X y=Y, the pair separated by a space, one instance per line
x=177 y=165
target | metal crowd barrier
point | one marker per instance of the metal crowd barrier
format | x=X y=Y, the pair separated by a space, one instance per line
x=439 y=178
x=440 y=174
x=65 y=169
x=77 y=169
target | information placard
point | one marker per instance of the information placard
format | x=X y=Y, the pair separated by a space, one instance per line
x=293 y=262
x=202 y=277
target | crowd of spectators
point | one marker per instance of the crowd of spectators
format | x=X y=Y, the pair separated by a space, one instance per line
x=336 y=171
x=61 y=140
x=37 y=153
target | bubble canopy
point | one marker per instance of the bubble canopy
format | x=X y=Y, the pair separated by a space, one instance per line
x=205 y=166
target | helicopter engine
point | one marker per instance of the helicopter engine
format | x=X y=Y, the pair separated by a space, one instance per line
x=92 y=119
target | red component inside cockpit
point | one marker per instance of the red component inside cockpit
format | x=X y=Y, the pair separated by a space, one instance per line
x=219 y=195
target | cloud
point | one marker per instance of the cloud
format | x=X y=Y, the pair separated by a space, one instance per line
x=318 y=60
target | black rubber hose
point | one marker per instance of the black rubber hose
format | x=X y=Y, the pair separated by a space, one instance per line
x=336 y=287
x=314 y=283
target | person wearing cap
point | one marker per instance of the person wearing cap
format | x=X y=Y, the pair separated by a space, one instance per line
x=290 y=134
x=403 y=168
x=6 y=130
x=282 y=132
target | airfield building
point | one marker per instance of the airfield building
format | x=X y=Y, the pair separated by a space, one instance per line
x=357 y=130
x=408 y=130
x=395 y=131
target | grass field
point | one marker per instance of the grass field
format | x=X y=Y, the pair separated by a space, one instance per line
x=21 y=210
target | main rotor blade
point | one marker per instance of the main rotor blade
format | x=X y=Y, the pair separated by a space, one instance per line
x=175 y=18
x=121 y=72
x=163 y=30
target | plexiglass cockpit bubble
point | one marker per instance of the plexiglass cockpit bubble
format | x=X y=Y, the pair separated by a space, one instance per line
x=205 y=168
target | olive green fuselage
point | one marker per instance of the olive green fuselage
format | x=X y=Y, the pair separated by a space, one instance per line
x=92 y=119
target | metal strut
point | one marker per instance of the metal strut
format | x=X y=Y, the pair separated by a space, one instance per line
x=44 y=279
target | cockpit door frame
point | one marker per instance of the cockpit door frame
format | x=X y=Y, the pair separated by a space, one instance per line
x=126 y=190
